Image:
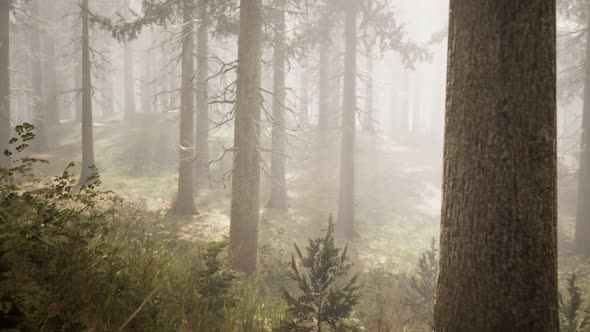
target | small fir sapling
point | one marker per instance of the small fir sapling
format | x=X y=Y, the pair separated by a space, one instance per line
x=325 y=296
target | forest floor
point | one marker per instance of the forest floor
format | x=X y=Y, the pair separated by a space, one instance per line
x=398 y=190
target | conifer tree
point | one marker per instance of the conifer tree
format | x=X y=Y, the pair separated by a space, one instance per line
x=325 y=297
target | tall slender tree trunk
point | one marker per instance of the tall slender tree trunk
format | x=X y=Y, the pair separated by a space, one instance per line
x=185 y=202
x=78 y=81
x=498 y=258
x=345 y=226
x=5 y=119
x=324 y=106
x=401 y=116
x=582 y=239
x=128 y=75
x=304 y=101
x=107 y=81
x=52 y=117
x=369 y=107
x=87 y=135
x=40 y=143
x=416 y=105
x=278 y=192
x=202 y=119
x=245 y=205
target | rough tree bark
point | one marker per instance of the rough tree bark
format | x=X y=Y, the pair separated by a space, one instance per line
x=185 y=203
x=40 y=143
x=582 y=237
x=278 y=191
x=345 y=226
x=5 y=119
x=87 y=135
x=245 y=206
x=498 y=258
x=202 y=118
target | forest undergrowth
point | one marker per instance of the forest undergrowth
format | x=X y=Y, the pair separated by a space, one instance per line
x=111 y=256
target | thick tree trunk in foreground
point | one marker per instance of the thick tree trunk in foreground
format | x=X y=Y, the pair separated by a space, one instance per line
x=202 y=119
x=87 y=135
x=185 y=204
x=582 y=240
x=245 y=206
x=498 y=258
x=278 y=192
x=5 y=120
x=40 y=143
x=345 y=226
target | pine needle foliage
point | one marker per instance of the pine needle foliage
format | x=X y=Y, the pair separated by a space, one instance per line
x=422 y=287
x=325 y=296
x=215 y=282
x=573 y=316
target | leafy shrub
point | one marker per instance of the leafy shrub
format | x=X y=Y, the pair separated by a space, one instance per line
x=324 y=297
x=75 y=259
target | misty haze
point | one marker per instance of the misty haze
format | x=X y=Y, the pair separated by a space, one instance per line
x=295 y=165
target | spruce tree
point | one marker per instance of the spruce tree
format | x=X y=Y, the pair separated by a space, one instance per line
x=325 y=295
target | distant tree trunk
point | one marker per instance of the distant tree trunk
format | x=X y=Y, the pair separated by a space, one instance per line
x=370 y=112
x=278 y=192
x=78 y=82
x=345 y=226
x=128 y=75
x=185 y=201
x=304 y=100
x=498 y=258
x=5 y=120
x=107 y=81
x=324 y=107
x=52 y=117
x=202 y=119
x=87 y=135
x=401 y=116
x=40 y=143
x=416 y=105
x=245 y=206
x=582 y=239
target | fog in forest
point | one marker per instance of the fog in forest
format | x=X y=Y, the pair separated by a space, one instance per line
x=280 y=165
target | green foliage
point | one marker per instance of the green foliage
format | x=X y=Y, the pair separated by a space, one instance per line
x=76 y=259
x=573 y=316
x=324 y=298
x=214 y=286
x=422 y=288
